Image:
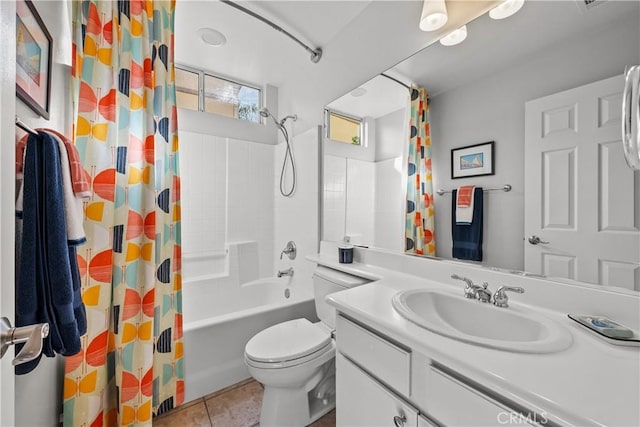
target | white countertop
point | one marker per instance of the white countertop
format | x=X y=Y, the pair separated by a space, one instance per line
x=590 y=383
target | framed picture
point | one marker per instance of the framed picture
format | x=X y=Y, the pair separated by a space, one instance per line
x=33 y=58
x=472 y=160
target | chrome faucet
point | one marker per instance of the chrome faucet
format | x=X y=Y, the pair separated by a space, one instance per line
x=500 y=298
x=472 y=291
x=483 y=293
x=287 y=272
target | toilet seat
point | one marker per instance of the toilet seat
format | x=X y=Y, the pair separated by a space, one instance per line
x=288 y=344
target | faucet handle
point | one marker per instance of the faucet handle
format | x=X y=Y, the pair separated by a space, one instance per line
x=470 y=291
x=500 y=298
x=290 y=250
x=468 y=281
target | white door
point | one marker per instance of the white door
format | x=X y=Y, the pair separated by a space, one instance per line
x=7 y=183
x=581 y=197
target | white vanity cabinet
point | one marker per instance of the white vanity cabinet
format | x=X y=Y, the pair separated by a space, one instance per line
x=384 y=383
x=363 y=401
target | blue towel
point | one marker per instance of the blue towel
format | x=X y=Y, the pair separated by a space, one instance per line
x=48 y=282
x=467 y=238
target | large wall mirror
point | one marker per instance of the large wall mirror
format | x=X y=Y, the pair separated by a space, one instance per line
x=481 y=90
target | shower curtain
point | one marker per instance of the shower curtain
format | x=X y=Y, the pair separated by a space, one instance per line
x=419 y=225
x=131 y=364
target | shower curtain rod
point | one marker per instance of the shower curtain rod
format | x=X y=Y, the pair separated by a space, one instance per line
x=395 y=80
x=316 y=54
x=402 y=84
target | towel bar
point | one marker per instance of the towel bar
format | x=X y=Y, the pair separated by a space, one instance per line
x=22 y=125
x=504 y=188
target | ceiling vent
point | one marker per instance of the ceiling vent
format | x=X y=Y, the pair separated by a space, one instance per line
x=586 y=5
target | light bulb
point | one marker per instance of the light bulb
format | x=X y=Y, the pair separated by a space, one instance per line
x=434 y=15
x=506 y=9
x=455 y=37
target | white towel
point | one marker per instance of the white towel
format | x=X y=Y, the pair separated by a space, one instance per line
x=73 y=206
x=464 y=214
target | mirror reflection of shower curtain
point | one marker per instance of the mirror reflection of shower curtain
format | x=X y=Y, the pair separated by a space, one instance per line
x=419 y=225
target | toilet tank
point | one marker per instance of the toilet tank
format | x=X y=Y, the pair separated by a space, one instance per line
x=327 y=281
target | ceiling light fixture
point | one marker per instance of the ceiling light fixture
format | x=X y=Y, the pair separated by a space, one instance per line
x=212 y=37
x=455 y=37
x=506 y=9
x=358 y=92
x=434 y=15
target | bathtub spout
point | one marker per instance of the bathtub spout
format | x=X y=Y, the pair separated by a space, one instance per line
x=287 y=272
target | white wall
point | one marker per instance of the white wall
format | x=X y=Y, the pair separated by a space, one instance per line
x=44 y=384
x=391 y=134
x=296 y=217
x=493 y=110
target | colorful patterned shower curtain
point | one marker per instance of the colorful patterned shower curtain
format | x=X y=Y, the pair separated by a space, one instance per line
x=419 y=227
x=131 y=364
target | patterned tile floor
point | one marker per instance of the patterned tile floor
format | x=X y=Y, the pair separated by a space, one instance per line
x=235 y=406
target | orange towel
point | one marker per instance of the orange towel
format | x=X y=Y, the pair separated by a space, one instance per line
x=79 y=181
x=465 y=193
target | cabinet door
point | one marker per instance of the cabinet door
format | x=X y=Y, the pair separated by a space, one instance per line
x=454 y=403
x=362 y=401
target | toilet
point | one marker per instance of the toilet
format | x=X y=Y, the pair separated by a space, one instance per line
x=294 y=360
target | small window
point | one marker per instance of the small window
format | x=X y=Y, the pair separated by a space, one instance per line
x=187 y=87
x=343 y=128
x=231 y=99
x=198 y=91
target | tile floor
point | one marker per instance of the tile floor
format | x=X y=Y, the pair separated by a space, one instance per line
x=234 y=406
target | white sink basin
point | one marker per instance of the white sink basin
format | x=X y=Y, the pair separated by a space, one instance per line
x=481 y=323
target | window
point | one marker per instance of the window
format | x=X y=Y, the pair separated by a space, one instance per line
x=343 y=128
x=231 y=99
x=187 y=87
x=199 y=91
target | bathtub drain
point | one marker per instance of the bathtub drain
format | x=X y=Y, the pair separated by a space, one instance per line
x=287 y=293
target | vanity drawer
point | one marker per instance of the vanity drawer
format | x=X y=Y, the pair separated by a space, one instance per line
x=453 y=402
x=390 y=363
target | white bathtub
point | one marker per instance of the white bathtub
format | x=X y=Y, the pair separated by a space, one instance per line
x=220 y=317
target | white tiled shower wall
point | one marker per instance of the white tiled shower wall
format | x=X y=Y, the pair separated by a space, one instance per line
x=363 y=200
x=363 y=195
x=227 y=196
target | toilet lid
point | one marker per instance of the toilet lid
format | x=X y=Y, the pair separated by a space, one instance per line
x=287 y=341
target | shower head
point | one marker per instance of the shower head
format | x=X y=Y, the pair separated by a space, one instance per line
x=264 y=112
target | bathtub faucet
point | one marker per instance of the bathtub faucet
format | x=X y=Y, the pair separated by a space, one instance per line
x=287 y=272
x=290 y=250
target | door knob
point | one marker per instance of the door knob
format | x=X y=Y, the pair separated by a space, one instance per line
x=31 y=335
x=534 y=240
